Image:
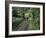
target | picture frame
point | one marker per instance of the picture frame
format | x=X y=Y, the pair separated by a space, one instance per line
x=17 y=5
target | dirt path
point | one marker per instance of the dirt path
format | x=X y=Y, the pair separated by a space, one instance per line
x=23 y=26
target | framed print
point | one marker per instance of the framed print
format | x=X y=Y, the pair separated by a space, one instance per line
x=24 y=18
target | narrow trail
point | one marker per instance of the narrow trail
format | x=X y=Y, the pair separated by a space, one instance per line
x=23 y=26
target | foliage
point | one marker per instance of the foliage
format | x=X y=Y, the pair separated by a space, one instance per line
x=31 y=14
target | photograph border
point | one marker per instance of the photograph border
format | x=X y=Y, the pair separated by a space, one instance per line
x=26 y=31
x=7 y=16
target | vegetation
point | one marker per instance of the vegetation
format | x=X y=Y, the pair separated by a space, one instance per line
x=28 y=14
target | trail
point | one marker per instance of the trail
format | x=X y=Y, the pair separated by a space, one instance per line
x=23 y=26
